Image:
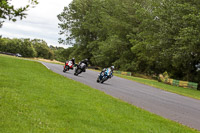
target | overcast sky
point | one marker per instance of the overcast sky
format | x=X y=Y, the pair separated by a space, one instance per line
x=41 y=22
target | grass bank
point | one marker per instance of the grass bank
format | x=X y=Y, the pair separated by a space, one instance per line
x=34 y=99
x=178 y=90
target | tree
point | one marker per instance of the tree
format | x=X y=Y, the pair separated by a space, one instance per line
x=145 y=36
x=42 y=49
x=9 y=12
x=178 y=37
x=22 y=46
x=27 y=49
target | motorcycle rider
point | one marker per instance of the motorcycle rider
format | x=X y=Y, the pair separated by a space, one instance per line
x=73 y=61
x=108 y=69
x=81 y=67
x=85 y=61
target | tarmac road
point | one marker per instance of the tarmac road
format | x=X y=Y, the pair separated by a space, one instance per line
x=172 y=106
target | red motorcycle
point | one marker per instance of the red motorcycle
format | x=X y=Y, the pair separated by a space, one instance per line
x=68 y=65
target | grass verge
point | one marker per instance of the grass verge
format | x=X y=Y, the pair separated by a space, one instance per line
x=34 y=99
x=175 y=89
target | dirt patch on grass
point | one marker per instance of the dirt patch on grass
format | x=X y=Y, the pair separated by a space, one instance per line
x=51 y=61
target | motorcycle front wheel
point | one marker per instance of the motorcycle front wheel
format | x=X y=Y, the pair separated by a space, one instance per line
x=103 y=79
x=98 y=80
x=64 y=70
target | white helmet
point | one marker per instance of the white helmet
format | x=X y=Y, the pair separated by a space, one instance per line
x=112 y=67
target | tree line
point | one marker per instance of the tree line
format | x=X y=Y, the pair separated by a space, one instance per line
x=32 y=48
x=143 y=36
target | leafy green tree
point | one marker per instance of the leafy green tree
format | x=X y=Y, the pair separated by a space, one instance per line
x=42 y=49
x=22 y=46
x=9 y=12
x=27 y=49
x=3 y=44
x=145 y=36
x=178 y=35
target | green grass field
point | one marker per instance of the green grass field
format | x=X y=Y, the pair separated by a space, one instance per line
x=34 y=99
x=175 y=89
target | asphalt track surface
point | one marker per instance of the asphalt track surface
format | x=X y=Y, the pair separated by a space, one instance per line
x=172 y=106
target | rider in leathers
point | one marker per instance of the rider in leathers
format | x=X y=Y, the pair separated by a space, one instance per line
x=73 y=61
x=111 y=69
x=85 y=61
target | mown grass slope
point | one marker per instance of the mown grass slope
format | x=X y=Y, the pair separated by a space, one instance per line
x=34 y=99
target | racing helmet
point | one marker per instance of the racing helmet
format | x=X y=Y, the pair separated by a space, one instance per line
x=86 y=60
x=112 y=67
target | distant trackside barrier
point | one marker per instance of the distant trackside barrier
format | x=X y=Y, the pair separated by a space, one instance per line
x=123 y=73
x=178 y=82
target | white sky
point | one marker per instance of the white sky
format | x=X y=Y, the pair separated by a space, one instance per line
x=41 y=22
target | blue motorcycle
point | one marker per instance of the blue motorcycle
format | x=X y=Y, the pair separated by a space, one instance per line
x=104 y=75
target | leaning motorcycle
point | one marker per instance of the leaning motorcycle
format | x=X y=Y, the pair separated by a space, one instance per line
x=68 y=65
x=103 y=76
x=80 y=68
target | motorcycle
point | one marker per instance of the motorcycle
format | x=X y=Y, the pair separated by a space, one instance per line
x=79 y=69
x=68 y=65
x=103 y=76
